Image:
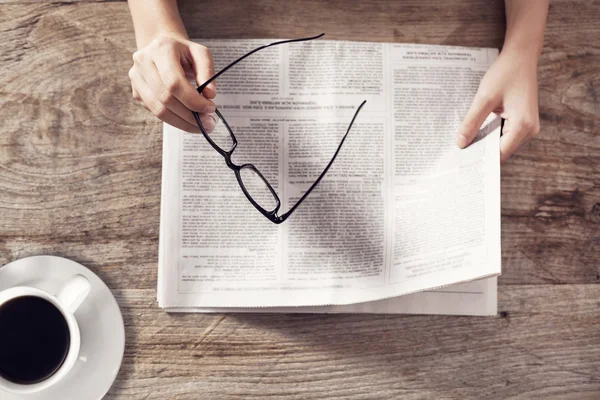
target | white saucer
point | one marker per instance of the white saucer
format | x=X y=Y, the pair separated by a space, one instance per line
x=100 y=322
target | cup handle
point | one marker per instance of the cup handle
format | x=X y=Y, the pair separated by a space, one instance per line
x=74 y=292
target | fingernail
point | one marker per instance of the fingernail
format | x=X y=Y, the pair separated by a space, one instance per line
x=209 y=123
x=209 y=92
x=461 y=141
x=209 y=109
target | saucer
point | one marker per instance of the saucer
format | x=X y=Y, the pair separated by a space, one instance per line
x=100 y=322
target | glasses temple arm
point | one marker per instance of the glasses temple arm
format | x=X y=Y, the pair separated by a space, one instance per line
x=287 y=214
x=215 y=76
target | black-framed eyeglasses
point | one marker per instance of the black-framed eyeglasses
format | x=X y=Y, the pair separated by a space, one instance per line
x=253 y=183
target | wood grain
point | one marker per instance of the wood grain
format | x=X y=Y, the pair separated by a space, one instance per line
x=80 y=169
x=543 y=345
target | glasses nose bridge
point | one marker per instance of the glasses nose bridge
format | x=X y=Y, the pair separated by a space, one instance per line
x=230 y=163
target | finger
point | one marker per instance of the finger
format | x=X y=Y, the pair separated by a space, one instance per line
x=481 y=107
x=158 y=108
x=516 y=133
x=137 y=97
x=134 y=93
x=150 y=74
x=173 y=78
x=204 y=69
x=209 y=121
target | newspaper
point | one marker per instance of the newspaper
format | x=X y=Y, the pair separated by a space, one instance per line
x=401 y=211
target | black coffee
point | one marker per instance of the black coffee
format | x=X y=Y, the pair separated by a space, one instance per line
x=34 y=340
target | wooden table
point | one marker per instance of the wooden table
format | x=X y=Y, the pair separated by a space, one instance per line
x=80 y=171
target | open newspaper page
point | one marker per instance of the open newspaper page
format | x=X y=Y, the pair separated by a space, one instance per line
x=446 y=202
x=372 y=229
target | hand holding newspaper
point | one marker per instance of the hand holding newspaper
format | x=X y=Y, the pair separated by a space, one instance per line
x=402 y=210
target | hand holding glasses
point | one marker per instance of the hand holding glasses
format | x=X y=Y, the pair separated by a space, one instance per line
x=255 y=186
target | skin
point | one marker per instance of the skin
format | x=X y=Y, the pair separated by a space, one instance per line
x=510 y=87
x=166 y=60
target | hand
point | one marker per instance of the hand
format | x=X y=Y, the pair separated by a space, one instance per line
x=160 y=81
x=510 y=89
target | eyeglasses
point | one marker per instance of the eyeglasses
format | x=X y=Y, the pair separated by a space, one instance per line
x=253 y=183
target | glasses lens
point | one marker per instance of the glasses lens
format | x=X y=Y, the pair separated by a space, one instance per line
x=217 y=130
x=258 y=188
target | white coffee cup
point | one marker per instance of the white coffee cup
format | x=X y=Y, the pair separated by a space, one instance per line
x=67 y=301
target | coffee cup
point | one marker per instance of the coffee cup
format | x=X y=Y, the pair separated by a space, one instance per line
x=40 y=339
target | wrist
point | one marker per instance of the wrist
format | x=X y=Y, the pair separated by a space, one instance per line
x=147 y=37
x=173 y=34
x=522 y=53
x=525 y=25
x=156 y=18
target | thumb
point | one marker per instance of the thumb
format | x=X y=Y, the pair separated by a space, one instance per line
x=481 y=107
x=202 y=63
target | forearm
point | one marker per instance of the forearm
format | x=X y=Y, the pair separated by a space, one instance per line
x=525 y=24
x=152 y=18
